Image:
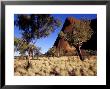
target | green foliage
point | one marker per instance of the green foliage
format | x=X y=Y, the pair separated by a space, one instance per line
x=81 y=33
x=62 y=35
x=33 y=27
x=51 y=51
x=22 y=46
x=36 y=26
x=16 y=41
x=36 y=50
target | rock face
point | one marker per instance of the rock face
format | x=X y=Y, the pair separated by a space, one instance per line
x=60 y=43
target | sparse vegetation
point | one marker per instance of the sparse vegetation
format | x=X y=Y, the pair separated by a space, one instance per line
x=81 y=33
x=33 y=27
x=63 y=66
x=66 y=60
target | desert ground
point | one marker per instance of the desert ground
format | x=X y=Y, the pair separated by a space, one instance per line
x=54 y=66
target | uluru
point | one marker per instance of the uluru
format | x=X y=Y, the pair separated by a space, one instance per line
x=61 y=43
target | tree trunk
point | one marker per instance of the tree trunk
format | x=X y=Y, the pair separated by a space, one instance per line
x=37 y=57
x=79 y=53
x=58 y=54
x=53 y=55
x=32 y=55
x=29 y=58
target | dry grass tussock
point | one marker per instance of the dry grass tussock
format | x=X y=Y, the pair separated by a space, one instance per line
x=63 y=66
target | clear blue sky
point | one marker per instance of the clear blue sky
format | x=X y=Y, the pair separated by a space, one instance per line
x=48 y=42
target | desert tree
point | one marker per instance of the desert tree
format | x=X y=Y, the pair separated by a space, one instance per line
x=35 y=26
x=81 y=32
x=51 y=52
x=37 y=51
x=22 y=47
x=16 y=42
x=32 y=51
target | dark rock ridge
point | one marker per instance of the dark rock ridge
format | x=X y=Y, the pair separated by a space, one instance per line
x=91 y=44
